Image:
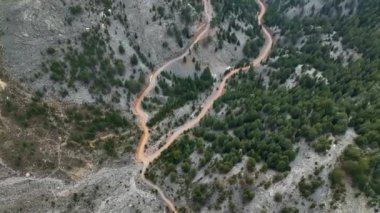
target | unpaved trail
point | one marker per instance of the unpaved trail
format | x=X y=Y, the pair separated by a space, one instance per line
x=217 y=92
x=143 y=116
x=138 y=110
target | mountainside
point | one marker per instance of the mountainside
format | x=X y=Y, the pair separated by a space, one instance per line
x=120 y=106
x=283 y=136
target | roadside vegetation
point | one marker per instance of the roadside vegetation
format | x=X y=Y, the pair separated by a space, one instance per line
x=264 y=122
x=180 y=91
x=189 y=12
x=237 y=16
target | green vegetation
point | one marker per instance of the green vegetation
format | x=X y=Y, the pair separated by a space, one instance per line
x=363 y=165
x=121 y=49
x=308 y=186
x=178 y=154
x=89 y=120
x=322 y=145
x=26 y=124
x=57 y=71
x=186 y=15
x=181 y=91
x=248 y=195
x=242 y=9
x=33 y=130
x=289 y=210
x=76 y=10
x=354 y=87
x=251 y=164
x=175 y=32
x=134 y=60
x=233 y=13
x=135 y=86
x=357 y=29
x=278 y=197
x=109 y=147
x=189 y=11
x=252 y=47
x=200 y=195
x=264 y=122
x=336 y=179
x=214 y=194
x=91 y=64
x=22 y=153
x=26 y=115
x=259 y=122
x=364 y=169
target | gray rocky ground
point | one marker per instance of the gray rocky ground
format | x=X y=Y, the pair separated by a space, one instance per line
x=28 y=28
x=108 y=190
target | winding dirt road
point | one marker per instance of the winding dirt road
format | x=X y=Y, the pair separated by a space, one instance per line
x=217 y=92
x=138 y=110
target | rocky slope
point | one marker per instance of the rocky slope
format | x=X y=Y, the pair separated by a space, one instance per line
x=55 y=151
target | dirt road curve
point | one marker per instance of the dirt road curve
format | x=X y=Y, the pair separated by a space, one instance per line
x=138 y=110
x=217 y=92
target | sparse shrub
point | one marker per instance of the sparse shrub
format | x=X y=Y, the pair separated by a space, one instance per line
x=109 y=147
x=289 y=210
x=76 y=10
x=308 y=187
x=248 y=195
x=278 y=197
x=50 y=51
x=336 y=176
x=251 y=164
x=134 y=60
x=322 y=145
x=121 y=49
